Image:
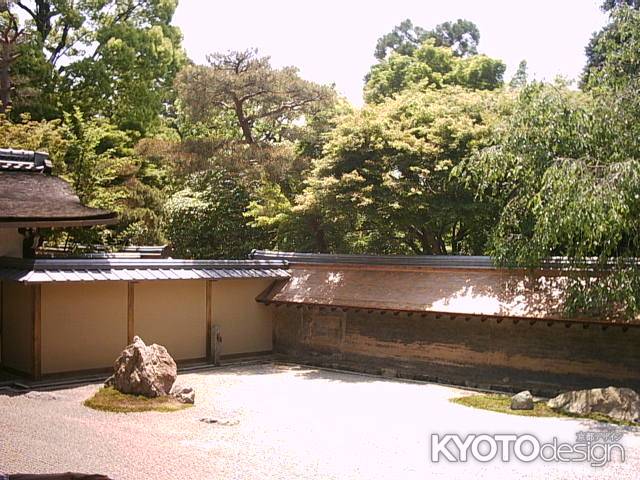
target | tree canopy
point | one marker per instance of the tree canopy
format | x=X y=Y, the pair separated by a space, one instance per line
x=263 y=101
x=461 y=36
x=116 y=58
x=385 y=183
x=431 y=66
x=566 y=167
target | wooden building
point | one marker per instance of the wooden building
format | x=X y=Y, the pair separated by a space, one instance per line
x=32 y=198
x=71 y=315
x=65 y=315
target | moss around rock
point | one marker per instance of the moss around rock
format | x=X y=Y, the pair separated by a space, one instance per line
x=108 y=399
x=502 y=404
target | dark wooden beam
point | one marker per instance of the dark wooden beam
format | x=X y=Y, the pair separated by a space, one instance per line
x=131 y=295
x=209 y=317
x=1 y=323
x=37 y=331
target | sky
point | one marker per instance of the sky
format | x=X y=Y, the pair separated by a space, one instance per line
x=332 y=41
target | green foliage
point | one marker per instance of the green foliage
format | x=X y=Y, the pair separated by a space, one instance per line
x=462 y=36
x=41 y=135
x=114 y=58
x=385 y=184
x=566 y=169
x=107 y=173
x=266 y=102
x=608 y=5
x=431 y=66
x=206 y=219
x=520 y=78
x=440 y=160
x=613 y=54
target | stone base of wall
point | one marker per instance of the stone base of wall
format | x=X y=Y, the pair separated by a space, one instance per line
x=496 y=353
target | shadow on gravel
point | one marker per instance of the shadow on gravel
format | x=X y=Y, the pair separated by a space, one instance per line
x=300 y=371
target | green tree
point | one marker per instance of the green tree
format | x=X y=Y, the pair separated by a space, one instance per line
x=106 y=172
x=385 y=184
x=264 y=102
x=612 y=53
x=609 y=5
x=431 y=66
x=255 y=128
x=566 y=169
x=521 y=77
x=462 y=36
x=206 y=218
x=113 y=58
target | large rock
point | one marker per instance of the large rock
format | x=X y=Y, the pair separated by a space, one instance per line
x=618 y=403
x=522 y=401
x=143 y=369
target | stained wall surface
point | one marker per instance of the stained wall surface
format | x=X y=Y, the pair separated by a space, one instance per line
x=497 y=353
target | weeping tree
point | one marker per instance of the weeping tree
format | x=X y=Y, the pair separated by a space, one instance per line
x=566 y=169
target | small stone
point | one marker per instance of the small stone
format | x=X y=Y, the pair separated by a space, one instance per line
x=209 y=420
x=226 y=422
x=522 y=401
x=41 y=395
x=389 y=372
x=183 y=394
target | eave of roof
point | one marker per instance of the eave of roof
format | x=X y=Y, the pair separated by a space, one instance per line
x=443 y=261
x=30 y=197
x=88 y=221
x=87 y=270
x=557 y=264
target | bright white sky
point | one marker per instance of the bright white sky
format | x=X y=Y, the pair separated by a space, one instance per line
x=332 y=41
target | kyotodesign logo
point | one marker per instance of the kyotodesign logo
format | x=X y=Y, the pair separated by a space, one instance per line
x=595 y=448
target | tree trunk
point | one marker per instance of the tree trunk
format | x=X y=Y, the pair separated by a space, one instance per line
x=5 y=83
x=245 y=124
x=432 y=244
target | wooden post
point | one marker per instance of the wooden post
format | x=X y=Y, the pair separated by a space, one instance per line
x=217 y=344
x=1 y=323
x=37 y=332
x=209 y=319
x=130 y=312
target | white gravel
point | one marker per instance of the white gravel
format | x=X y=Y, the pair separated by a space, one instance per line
x=279 y=422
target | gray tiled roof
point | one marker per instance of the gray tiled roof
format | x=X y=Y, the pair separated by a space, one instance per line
x=446 y=261
x=88 y=270
x=434 y=261
x=24 y=160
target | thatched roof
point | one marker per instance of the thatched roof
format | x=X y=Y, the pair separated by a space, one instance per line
x=31 y=197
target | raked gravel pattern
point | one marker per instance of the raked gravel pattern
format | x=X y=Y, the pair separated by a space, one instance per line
x=279 y=422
